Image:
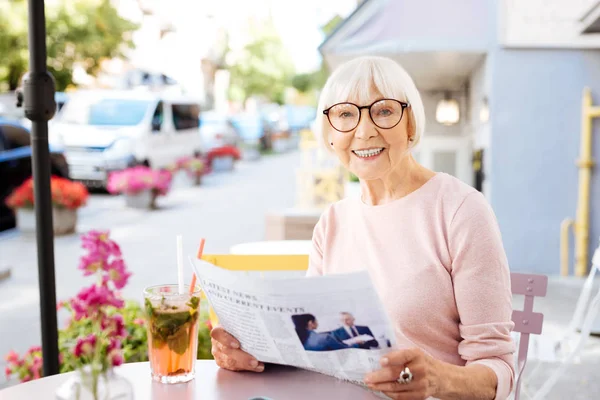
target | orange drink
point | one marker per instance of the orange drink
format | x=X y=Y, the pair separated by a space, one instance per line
x=172 y=328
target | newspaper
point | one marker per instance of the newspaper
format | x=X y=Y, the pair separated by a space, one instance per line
x=301 y=321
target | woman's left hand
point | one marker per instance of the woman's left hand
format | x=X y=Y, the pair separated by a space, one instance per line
x=425 y=375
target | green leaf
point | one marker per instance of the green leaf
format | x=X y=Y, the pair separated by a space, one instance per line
x=179 y=341
x=194 y=302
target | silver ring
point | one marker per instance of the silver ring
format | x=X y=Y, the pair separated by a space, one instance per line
x=405 y=376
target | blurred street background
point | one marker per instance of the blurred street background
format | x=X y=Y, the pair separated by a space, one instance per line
x=215 y=103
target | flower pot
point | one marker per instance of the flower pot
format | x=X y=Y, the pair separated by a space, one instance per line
x=280 y=144
x=145 y=199
x=109 y=386
x=222 y=163
x=64 y=221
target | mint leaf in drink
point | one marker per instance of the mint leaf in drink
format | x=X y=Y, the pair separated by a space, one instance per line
x=179 y=341
x=194 y=302
x=149 y=308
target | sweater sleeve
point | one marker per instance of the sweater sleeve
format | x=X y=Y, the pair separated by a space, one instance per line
x=481 y=279
x=315 y=258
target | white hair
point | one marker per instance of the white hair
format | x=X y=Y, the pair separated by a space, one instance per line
x=359 y=79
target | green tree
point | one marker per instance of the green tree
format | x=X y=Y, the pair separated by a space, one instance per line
x=79 y=32
x=262 y=67
x=315 y=80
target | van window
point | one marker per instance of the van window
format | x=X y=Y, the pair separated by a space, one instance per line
x=185 y=116
x=104 y=112
x=157 y=118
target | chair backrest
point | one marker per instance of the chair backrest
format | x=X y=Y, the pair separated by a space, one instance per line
x=258 y=262
x=527 y=321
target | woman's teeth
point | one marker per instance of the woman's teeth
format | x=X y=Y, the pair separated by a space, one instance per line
x=368 y=153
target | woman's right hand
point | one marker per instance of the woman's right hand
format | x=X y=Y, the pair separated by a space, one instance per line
x=228 y=355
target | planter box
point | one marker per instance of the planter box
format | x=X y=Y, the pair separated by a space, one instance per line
x=280 y=144
x=143 y=200
x=64 y=221
x=222 y=164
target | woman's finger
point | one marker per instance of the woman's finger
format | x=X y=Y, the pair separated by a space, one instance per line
x=237 y=358
x=383 y=375
x=220 y=335
x=400 y=357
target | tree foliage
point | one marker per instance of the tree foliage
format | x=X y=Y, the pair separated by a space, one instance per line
x=315 y=80
x=78 y=32
x=261 y=68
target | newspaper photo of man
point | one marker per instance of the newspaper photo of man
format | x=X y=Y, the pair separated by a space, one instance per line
x=306 y=325
x=350 y=333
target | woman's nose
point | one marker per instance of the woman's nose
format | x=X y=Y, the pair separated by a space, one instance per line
x=366 y=128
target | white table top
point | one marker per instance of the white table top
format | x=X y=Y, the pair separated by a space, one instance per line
x=212 y=383
x=279 y=247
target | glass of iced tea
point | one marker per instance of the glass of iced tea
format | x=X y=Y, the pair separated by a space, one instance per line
x=172 y=326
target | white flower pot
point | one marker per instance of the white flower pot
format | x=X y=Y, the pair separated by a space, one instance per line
x=280 y=145
x=222 y=164
x=64 y=221
x=144 y=200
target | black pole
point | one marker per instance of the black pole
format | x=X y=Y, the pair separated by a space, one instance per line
x=38 y=93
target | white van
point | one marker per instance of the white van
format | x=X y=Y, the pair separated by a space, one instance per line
x=107 y=130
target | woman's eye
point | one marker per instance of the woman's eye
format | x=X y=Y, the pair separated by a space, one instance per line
x=345 y=114
x=384 y=112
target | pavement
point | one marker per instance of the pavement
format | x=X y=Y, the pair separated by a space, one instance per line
x=228 y=209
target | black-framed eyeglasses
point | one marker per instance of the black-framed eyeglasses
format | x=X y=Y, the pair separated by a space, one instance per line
x=385 y=114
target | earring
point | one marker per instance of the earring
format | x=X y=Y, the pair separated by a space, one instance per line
x=331 y=143
x=410 y=139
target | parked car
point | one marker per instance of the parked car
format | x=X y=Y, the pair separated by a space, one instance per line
x=15 y=165
x=107 y=130
x=275 y=124
x=217 y=130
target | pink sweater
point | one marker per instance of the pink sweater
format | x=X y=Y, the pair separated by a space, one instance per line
x=437 y=261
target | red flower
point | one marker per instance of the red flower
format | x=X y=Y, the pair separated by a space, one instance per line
x=65 y=193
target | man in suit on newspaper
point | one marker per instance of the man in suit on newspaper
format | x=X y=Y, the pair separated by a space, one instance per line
x=348 y=331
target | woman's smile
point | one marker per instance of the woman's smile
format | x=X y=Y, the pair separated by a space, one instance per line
x=370 y=153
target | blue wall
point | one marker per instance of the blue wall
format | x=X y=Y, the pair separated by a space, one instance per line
x=536 y=129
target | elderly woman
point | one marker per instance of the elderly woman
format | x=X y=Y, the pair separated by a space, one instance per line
x=430 y=242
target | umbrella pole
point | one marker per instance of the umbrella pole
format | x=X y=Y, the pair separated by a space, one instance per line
x=38 y=94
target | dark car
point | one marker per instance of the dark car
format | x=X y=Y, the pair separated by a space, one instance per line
x=15 y=166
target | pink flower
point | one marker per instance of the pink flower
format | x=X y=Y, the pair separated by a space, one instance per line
x=85 y=346
x=12 y=357
x=92 y=263
x=7 y=372
x=34 y=349
x=117 y=273
x=89 y=301
x=115 y=357
x=36 y=368
x=114 y=326
x=99 y=241
x=114 y=344
x=26 y=379
x=139 y=321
